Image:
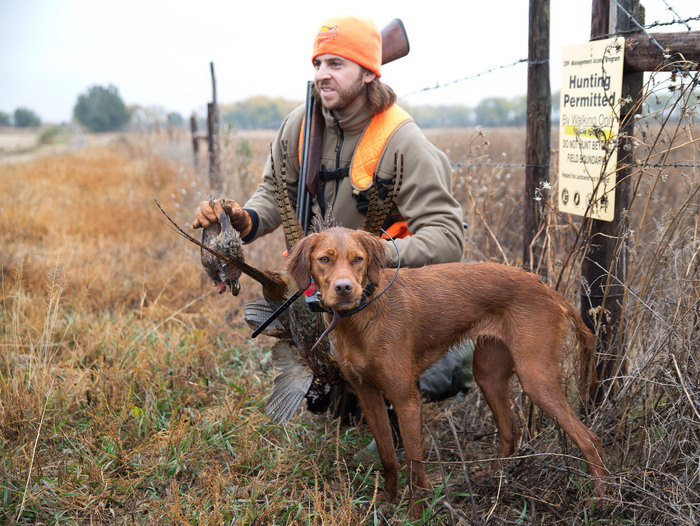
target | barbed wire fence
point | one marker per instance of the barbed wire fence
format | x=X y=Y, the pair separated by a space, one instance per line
x=677 y=20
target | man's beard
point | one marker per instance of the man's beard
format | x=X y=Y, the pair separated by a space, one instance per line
x=345 y=97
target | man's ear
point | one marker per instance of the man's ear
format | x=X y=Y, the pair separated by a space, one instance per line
x=299 y=262
x=369 y=77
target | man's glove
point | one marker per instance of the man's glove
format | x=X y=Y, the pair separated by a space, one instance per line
x=209 y=211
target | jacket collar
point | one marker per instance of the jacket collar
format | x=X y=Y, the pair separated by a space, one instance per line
x=355 y=123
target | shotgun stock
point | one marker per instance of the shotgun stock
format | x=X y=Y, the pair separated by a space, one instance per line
x=394 y=46
x=394 y=41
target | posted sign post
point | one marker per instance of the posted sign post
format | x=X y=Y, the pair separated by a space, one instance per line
x=588 y=127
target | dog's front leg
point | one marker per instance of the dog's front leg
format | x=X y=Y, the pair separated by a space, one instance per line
x=374 y=409
x=408 y=409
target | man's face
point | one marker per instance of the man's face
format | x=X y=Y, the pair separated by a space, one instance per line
x=340 y=83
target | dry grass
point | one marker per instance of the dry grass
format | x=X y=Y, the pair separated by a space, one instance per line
x=130 y=392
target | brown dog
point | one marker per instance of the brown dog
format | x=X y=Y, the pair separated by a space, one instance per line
x=518 y=323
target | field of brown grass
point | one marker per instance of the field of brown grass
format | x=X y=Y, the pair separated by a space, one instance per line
x=131 y=393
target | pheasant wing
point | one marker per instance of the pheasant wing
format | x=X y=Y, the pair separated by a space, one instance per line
x=290 y=386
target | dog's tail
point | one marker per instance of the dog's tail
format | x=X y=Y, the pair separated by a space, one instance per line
x=585 y=341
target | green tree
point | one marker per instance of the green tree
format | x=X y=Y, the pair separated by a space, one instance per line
x=493 y=111
x=444 y=116
x=4 y=119
x=26 y=118
x=176 y=119
x=101 y=109
x=257 y=112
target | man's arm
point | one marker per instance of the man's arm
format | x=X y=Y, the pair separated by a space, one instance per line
x=434 y=216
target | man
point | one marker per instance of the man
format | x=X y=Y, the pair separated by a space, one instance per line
x=359 y=112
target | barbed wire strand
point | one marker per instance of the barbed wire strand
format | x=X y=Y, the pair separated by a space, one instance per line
x=507 y=165
x=668 y=165
x=640 y=26
x=471 y=77
x=675 y=22
x=468 y=164
x=679 y=20
x=673 y=12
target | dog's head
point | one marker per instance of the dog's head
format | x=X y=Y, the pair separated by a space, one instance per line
x=340 y=261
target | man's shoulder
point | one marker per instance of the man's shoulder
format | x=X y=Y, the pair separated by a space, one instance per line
x=296 y=116
x=409 y=132
x=409 y=138
x=291 y=126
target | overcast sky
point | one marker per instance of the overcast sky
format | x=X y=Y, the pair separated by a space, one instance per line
x=157 y=52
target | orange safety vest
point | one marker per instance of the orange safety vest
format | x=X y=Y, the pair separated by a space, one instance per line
x=368 y=152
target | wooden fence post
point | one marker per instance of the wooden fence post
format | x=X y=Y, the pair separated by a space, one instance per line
x=604 y=268
x=538 y=134
x=195 y=139
x=215 y=181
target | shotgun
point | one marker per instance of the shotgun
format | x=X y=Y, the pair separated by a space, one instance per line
x=394 y=46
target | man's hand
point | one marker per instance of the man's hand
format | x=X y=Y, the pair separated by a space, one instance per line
x=209 y=211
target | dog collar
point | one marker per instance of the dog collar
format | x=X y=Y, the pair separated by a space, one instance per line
x=316 y=304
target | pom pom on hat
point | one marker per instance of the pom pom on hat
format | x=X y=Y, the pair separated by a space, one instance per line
x=353 y=38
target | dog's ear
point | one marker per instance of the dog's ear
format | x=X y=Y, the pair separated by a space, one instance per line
x=299 y=263
x=376 y=258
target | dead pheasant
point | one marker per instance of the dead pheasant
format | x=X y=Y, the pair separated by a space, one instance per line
x=228 y=241
x=226 y=246
x=304 y=356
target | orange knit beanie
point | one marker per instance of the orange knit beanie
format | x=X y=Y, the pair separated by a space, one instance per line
x=353 y=38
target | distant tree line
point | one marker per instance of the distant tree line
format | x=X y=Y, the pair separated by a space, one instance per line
x=102 y=109
x=259 y=112
x=492 y=111
x=21 y=118
x=262 y=112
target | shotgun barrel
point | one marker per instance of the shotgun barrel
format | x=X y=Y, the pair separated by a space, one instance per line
x=303 y=195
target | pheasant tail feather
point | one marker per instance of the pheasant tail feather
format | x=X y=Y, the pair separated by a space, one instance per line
x=293 y=230
x=377 y=214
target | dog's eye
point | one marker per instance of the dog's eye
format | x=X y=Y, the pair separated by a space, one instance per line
x=324 y=259
x=359 y=259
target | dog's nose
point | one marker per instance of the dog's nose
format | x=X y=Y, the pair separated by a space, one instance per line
x=343 y=287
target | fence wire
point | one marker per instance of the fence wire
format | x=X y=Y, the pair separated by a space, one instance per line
x=640 y=26
x=673 y=12
x=643 y=28
x=676 y=21
x=531 y=165
x=472 y=77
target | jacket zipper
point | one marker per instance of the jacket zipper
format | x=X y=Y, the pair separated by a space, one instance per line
x=338 y=147
x=338 y=142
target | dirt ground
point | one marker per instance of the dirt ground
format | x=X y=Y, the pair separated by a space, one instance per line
x=20 y=145
x=14 y=140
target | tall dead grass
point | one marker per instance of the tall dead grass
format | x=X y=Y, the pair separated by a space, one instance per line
x=130 y=392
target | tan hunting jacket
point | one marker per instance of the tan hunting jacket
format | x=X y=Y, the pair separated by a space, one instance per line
x=425 y=199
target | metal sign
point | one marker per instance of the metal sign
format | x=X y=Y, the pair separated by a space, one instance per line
x=588 y=127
